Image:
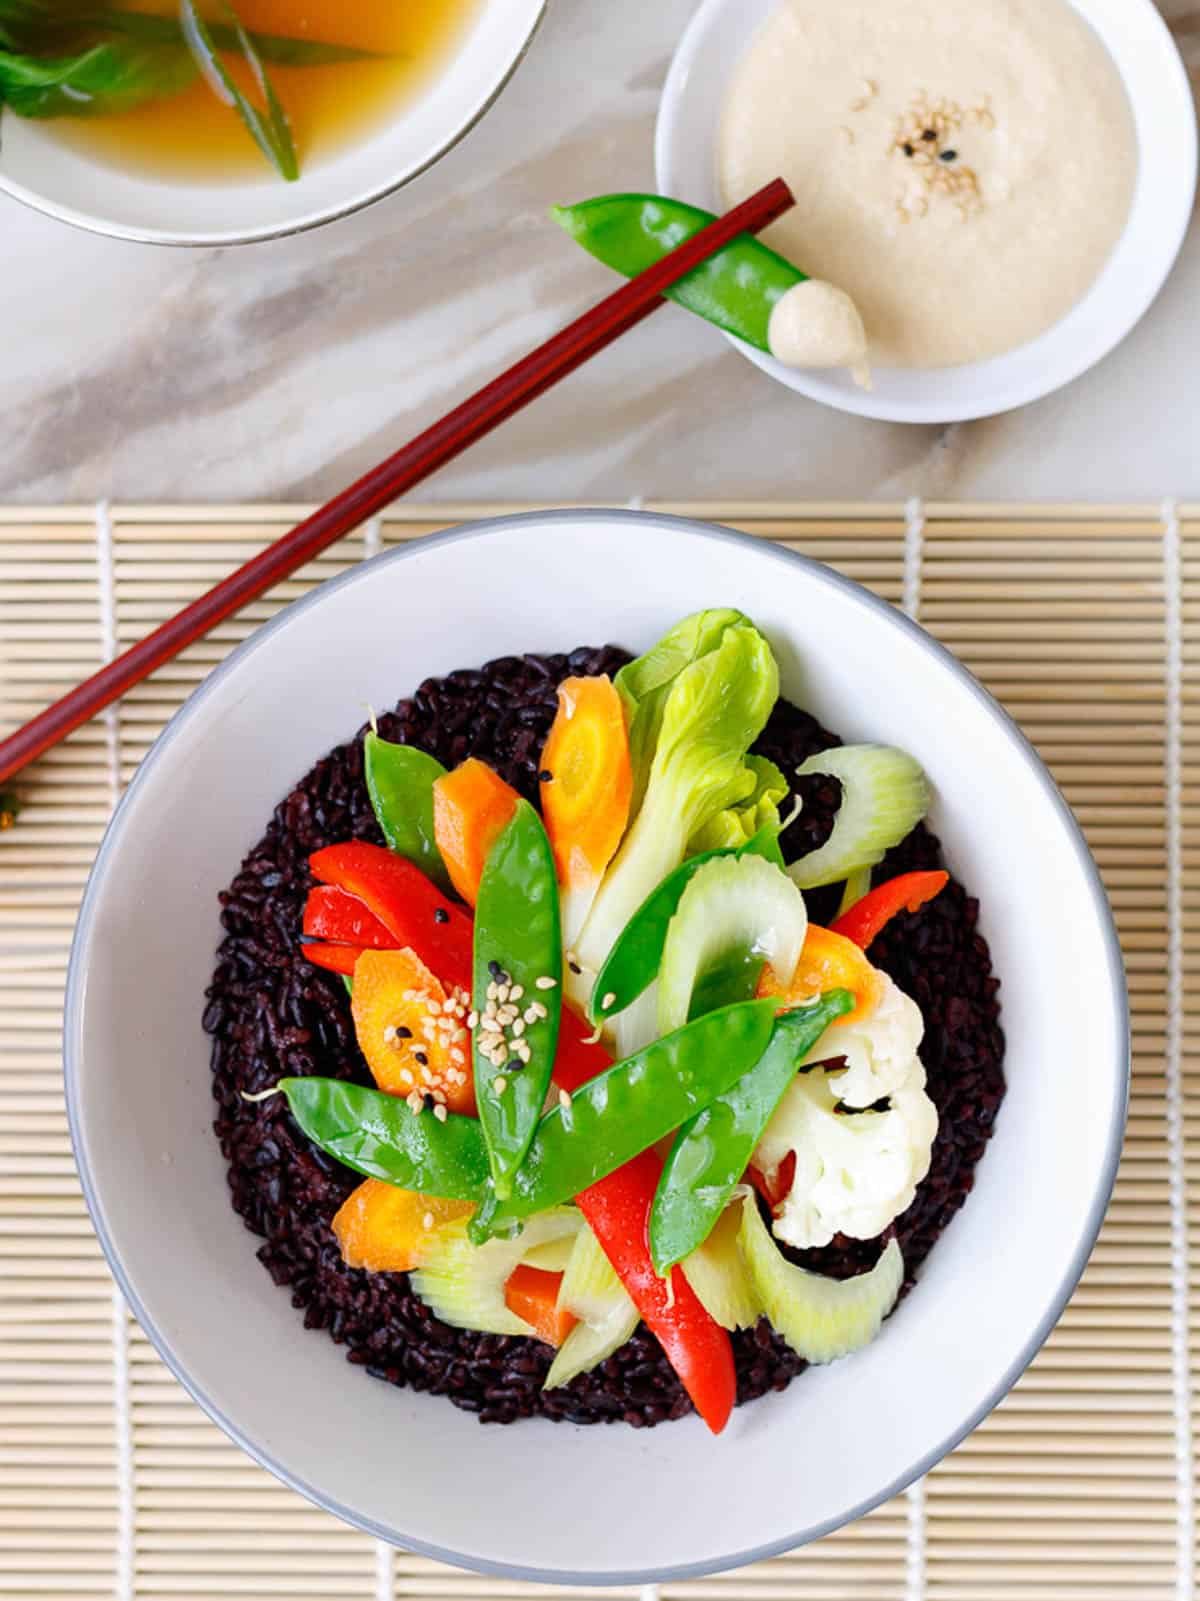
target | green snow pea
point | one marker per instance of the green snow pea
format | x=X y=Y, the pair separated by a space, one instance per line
x=378 y=1136
x=633 y=963
x=622 y=1112
x=736 y=288
x=518 y=966
x=711 y=1153
x=400 y=780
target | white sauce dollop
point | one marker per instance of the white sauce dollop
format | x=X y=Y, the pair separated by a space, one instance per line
x=816 y=324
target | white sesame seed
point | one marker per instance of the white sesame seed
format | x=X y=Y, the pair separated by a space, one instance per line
x=521 y=1049
x=472 y=1021
x=427 y=1220
x=449 y=1004
x=564 y=1099
x=538 y=1010
x=499 y=1085
x=491 y=990
x=502 y=992
x=500 y=1054
x=518 y=1027
x=406 y=1076
x=507 y=1015
x=440 y=1113
x=389 y=1034
x=516 y=992
x=608 y=1000
x=545 y=982
x=456 y=1055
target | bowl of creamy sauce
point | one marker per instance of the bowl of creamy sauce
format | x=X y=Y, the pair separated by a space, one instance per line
x=989 y=193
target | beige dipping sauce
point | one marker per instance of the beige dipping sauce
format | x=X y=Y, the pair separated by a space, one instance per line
x=1019 y=183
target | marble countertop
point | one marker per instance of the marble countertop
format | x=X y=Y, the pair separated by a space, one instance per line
x=280 y=371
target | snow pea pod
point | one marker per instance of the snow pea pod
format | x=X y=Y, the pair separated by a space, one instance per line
x=711 y=1152
x=377 y=1135
x=736 y=288
x=400 y=780
x=517 y=971
x=633 y=963
x=621 y=1113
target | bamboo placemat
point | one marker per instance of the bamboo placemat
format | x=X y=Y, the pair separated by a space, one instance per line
x=1081 y=1487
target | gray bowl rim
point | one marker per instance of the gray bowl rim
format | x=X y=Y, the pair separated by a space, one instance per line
x=1022 y=749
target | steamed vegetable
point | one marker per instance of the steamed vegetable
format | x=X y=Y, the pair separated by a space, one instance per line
x=389 y=1230
x=400 y=780
x=736 y=908
x=736 y=288
x=533 y=1294
x=465 y=1284
x=381 y=1137
x=716 y=1270
x=828 y=961
x=820 y=1318
x=593 y=1294
x=638 y=1101
x=412 y=909
x=632 y=965
x=714 y=710
x=884 y=797
x=586 y=787
x=267 y=124
x=711 y=1153
x=335 y=915
x=756 y=816
x=618 y=1211
x=645 y=683
x=414 y=1046
x=856 y=1167
x=869 y=916
x=517 y=990
x=472 y=806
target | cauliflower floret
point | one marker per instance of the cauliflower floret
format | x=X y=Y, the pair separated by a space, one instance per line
x=879 y=1049
x=855 y=1171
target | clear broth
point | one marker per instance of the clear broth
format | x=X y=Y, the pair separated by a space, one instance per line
x=193 y=136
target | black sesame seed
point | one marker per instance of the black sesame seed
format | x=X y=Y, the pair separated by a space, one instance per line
x=420 y=1056
x=929 y=136
x=441 y=915
x=545 y=776
x=948 y=155
x=575 y=967
x=494 y=970
x=910 y=150
x=403 y=1033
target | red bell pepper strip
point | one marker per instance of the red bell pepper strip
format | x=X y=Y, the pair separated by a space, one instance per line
x=618 y=1211
x=336 y=958
x=869 y=916
x=334 y=914
x=410 y=906
x=697 y=1347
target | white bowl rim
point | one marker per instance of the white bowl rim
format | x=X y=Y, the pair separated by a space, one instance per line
x=1022 y=749
x=214 y=239
x=815 y=385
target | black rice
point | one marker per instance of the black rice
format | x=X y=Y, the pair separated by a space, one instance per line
x=270 y=1012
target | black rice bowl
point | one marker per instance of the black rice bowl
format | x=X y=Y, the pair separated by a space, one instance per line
x=271 y=1013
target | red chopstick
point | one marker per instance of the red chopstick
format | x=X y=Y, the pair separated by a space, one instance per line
x=422 y=456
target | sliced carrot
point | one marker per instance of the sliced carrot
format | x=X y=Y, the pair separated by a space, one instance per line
x=587 y=780
x=388 y=1230
x=412 y=1045
x=828 y=961
x=471 y=807
x=532 y=1293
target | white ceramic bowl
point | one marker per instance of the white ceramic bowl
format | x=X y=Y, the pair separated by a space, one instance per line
x=527 y=1500
x=1165 y=119
x=58 y=179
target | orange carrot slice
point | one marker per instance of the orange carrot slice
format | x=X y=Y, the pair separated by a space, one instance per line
x=532 y=1293
x=388 y=1230
x=587 y=783
x=828 y=961
x=471 y=807
x=413 y=1046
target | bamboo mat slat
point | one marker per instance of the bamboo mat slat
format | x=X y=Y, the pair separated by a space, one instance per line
x=1085 y=622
